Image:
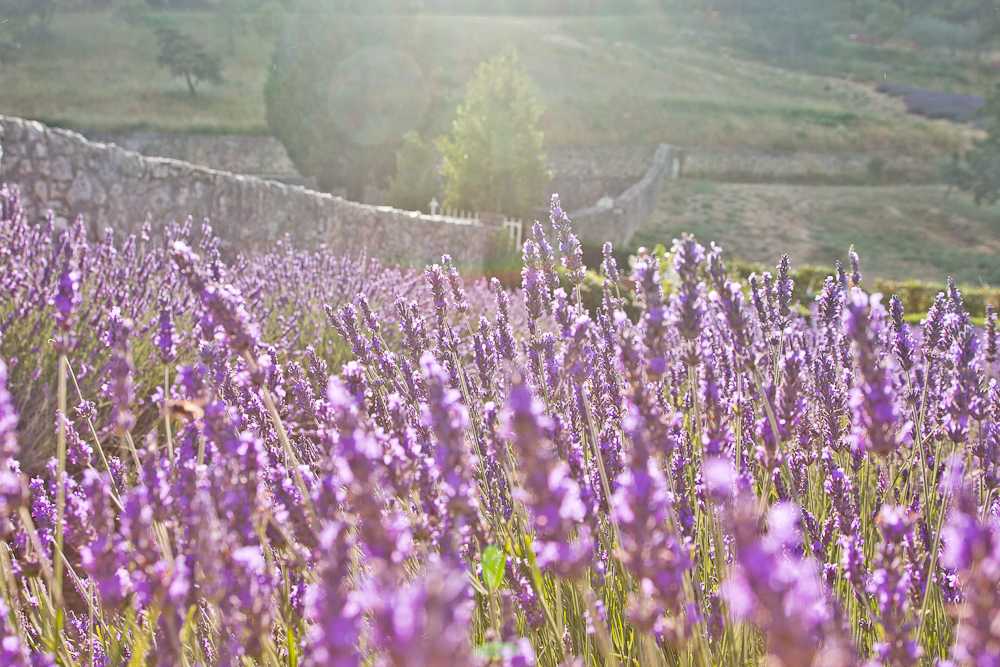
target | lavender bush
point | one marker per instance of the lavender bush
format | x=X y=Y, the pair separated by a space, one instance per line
x=304 y=459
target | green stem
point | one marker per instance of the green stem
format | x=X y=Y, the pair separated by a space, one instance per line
x=61 y=488
x=166 y=412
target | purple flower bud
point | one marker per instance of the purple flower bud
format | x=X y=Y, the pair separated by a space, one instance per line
x=166 y=337
x=66 y=300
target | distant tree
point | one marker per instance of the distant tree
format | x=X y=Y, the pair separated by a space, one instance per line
x=493 y=158
x=980 y=175
x=16 y=23
x=186 y=57
x=413 y=186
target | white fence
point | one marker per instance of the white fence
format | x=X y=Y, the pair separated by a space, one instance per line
x=514 y=228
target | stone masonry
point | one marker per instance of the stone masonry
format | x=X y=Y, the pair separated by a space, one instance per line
x=618 y=218
x=115 y=188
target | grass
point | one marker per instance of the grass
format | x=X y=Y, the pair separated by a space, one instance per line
x=92 y=71
x=824 y=48
x=604 y=80
x=901 y=232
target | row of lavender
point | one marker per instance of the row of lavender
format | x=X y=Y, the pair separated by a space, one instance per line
x=489 y=478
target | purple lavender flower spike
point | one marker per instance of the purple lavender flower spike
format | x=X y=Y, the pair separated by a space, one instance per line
x=972 y=551
x=66 y=300
x=855 y=267
x=336 y=632
x=688 y=301
x=776 y=589
x=878 y=425
x=120 y=369
x=166 y=336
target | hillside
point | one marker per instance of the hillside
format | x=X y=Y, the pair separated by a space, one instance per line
x=604 y=80
x=901 y=232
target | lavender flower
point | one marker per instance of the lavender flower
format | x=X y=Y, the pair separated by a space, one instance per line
x=166 y=337
x=777 y=590
x=66 y=300
x=688 y=302
x=120 y=368
x=879 y=427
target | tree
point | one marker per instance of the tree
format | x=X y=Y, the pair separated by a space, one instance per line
x=980 y=175
x=413 y=186
x=342 y=92
x=186 y=57
x=16 y=24
x=493 y=158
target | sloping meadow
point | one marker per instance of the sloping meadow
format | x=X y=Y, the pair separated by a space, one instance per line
x=305 y=459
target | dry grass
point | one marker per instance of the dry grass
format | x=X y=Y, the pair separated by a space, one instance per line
x=908 y=232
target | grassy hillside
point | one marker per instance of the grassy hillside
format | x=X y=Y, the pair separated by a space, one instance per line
x=901 y=232
x=92 y=71
x=604 y=80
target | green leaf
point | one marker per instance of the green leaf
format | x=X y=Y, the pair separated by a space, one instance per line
x=495 y=650
x=494 y=561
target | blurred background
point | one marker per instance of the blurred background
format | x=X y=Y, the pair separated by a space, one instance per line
x=799 y=126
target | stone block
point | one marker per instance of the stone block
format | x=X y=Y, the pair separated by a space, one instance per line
x=61 y=169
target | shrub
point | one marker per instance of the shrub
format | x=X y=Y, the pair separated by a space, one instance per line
x=876 y=168
x=413 y=186
x=493 y=160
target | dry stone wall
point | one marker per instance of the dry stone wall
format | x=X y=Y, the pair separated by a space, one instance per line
x=617 y=219
x=584 y=174
x=253 y=155
x=113 y=187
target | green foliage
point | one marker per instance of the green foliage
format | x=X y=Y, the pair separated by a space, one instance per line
x=980 y=175
x=187 y=58
x=342 y=92
x=932 y=32
x=493 y=158
x=496 y=7
x=876 y=168
x=270 y=19
x=916 y=296
x=16 y=24
x=884 y=19
x=413 y=186
x=493 y=561
x=136 y=14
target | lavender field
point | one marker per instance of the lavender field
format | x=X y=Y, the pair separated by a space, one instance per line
x=304 y=459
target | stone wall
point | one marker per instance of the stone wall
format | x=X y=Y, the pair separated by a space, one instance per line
x=758 y=166
x=582 y=175
x=241 y=154
x=113 y=187
x=617 y=219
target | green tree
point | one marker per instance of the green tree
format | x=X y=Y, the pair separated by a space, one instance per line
x=493 y=158
x=342 y=93
x=16 y=24
x=186 y=57
x=980 y=175
x=413 y=186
